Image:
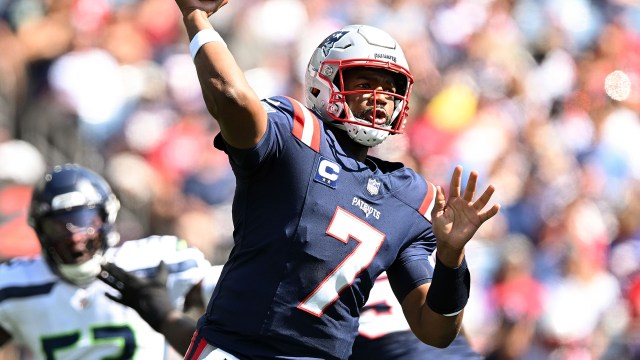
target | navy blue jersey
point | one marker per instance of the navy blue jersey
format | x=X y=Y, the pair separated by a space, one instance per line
x=313 y=228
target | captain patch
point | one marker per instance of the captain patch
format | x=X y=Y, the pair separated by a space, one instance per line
x=327 y=173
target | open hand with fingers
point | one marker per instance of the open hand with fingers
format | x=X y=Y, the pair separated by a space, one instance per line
x=457 y=218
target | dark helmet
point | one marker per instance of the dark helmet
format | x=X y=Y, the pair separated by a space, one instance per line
x=68 y=200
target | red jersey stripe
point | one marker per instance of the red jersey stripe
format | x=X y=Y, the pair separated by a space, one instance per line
x=305 y=126
x=201 y=346
x=428 y=201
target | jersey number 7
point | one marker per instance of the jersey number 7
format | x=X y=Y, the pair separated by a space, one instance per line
x=344 y=226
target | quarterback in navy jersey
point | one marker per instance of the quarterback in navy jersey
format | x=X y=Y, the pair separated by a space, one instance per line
x=334 y=225
x=316 y=219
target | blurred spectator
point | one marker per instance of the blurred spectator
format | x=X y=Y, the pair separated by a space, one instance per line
x=516 y=299
x=21 y=166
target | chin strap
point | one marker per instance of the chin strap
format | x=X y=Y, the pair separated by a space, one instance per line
x=366 y=136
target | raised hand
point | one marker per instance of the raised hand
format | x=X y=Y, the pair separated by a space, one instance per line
x=208 y=6
x=456 y=219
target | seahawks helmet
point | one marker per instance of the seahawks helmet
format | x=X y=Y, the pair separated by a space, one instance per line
x=73 y=202
x=357 y=46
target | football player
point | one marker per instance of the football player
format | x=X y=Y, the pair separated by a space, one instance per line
x=316 y=219
x=54 y=307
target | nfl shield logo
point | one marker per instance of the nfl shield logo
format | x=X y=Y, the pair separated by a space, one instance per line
x=373 y=186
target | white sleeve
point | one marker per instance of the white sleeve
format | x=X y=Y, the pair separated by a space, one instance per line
x=210 y=282
x=187 y=265
x=186 y=269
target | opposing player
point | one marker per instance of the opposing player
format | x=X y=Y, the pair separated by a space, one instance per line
x=316 y=219
x=385 y=334
x=54 y=307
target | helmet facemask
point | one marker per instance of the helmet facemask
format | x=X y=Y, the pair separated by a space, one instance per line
x=372 y=125
x=74 y=243
x=73 y=212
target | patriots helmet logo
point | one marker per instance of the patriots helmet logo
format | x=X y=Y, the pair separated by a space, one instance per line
x=328 y=43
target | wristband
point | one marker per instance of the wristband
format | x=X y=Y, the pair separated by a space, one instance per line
x=203 y=37
x=449 y=290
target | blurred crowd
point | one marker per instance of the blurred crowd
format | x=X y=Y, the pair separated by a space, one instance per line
x=514 y=89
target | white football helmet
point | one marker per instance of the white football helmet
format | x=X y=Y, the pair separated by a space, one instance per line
x=357 y=46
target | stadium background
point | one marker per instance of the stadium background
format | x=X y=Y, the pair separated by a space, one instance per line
x=511 y=88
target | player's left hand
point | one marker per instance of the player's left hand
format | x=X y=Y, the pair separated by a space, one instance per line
x=456 y=219
x=149 y=297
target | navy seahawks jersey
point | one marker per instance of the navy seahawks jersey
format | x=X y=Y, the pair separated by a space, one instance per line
x=313 y=228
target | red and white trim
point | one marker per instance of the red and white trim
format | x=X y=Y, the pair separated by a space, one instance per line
x=428 y=202
x=199 y=349
x=306 y=126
